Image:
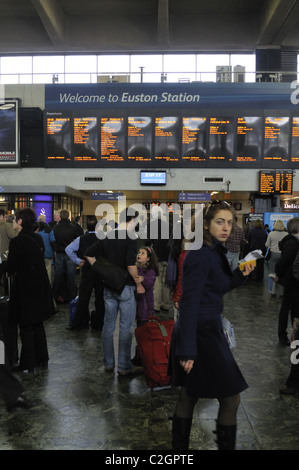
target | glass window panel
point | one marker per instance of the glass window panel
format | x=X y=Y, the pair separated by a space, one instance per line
x=206 y=66
x=179 y=62
x=78 y=63
x=147 y=78
x=48 y=64
x=150 y=63
x=113 y=64
x=247 y=61
x=77 y=78
x=16 y=64
x=25 y=78
x=48 y=78
x=181 y=77
x=9 y=79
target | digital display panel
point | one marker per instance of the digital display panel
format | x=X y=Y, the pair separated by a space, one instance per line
x=59 y=138
x=9 y=133
x=276 y=141
x=167 y=139
x=275 y=182
x=86 y=138
x=112 y=139
x=295 y=140
x=249 y=139
x=221 y=139
x=192 y=125
x=194 y=139
x=153 y=177
x=140 y=138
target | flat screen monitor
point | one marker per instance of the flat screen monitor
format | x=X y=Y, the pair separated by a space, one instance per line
x=276 y=182
x=153 y=178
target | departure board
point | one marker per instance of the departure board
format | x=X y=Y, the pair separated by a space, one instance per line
x=295 y=140
x=59 y=138
x=97 y=140
x=171 y=125
x=86 y=136
x=112 y=139
x=194 y=139
x=140 y=139
x=276 y=141
x=221 y=140
x=249 y=139
x=167 y=139
x=275 y=182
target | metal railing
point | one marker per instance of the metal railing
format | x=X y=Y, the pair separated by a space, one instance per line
x=146 y=77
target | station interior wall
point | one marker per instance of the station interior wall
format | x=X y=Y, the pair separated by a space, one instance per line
x=242 y=182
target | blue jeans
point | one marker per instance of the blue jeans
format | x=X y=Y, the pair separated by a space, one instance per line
x=64 y=266
x=125 y=303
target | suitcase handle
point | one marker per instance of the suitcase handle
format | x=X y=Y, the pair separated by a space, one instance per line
x=163 y=330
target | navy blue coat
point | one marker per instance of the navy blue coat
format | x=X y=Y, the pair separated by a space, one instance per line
x=198 y=333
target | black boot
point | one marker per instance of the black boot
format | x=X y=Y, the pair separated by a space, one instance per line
x=181 y=428
x=226 y=437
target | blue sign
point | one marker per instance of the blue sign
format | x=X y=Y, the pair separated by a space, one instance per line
x=271 y=217
x=107 y=196
x=186 y=95
x=203 y=197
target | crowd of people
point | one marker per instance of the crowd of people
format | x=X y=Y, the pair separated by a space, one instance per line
x=38 y=271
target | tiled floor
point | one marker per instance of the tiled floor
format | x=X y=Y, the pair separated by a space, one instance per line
x=80 y=407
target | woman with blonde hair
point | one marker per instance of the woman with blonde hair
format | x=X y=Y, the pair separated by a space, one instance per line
x=273 y=239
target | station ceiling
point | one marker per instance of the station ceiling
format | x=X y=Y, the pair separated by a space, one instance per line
x=146 y=26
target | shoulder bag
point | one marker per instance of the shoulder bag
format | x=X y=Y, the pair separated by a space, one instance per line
x=113 y=277
x=267 y=255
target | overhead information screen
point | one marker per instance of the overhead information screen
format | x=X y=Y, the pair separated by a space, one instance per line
x=221 y=140
x=194 y=139
x=59 y=139
x=167 y=139
x=195 y=125
x=140 y=139
x=275 y=182
x=295 y=140
x=86 y=139
x=9 y=133
x=249 y=139
x=276 y=141
x=112 y=139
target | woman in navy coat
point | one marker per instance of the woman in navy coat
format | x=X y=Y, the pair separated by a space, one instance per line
x=31 y=300
x=201 y=361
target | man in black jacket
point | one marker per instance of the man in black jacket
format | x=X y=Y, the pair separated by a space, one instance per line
x=120 y=248
x=289 y=247
x=65 y=269
x=89 y=282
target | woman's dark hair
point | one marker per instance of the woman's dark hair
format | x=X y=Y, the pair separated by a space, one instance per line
x=153 y=260
x=293 y=225
x=210 y=212
x=28 y=217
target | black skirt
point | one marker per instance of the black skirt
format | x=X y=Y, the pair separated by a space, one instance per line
x=215 y=373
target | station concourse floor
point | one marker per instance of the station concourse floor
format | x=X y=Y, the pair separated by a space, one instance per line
x=81 y=407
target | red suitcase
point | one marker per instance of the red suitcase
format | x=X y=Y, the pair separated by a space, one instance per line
x=153 y=342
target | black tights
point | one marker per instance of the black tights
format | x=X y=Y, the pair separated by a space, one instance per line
x=227 y=413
